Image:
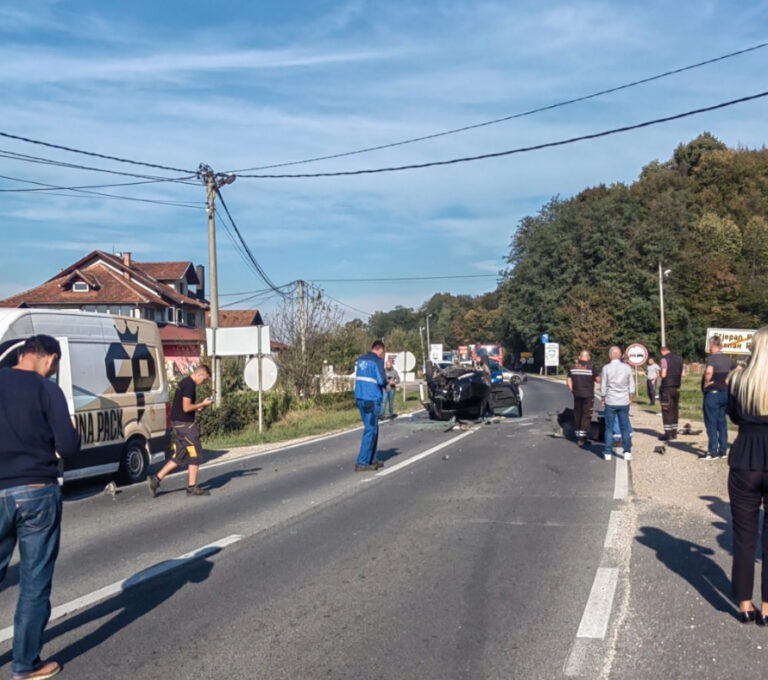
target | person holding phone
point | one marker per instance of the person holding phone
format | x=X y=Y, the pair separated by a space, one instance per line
x=187 y=447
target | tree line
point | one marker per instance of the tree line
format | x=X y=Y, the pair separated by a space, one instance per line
x=585 y=270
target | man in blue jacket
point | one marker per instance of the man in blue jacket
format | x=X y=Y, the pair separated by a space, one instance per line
x=370 y=379
x=34 y=425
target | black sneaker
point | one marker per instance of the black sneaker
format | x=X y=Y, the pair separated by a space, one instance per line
x=197 y=491
x=153 y=483
x=364 y=468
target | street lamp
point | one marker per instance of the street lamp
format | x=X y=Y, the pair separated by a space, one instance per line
x=662 y=274
x=423 y=353
x=429 y=346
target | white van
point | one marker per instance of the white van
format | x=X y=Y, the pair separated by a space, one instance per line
x=112 y=373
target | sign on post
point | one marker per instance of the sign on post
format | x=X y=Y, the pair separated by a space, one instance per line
x=637 y=354
x=268 y=378
x=735 y=340
x=239 y=341
x=551 y=354
x=435 y=352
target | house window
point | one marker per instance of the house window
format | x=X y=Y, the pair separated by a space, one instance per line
x=191 y=319
x=149 y=313
x=80 y=287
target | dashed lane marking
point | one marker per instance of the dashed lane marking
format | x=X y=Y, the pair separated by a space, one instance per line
x=612 y=534
x=597 y=613
x=141 y=577
x=621 y=486
x=423 y=454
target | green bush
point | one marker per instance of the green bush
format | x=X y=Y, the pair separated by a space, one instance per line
x=238 y=410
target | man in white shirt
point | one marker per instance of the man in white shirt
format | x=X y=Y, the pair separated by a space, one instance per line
x=617 y=387
x=652 y=372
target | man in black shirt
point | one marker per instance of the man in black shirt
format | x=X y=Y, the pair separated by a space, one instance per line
x=671 y=379
x=188 y=448
x=715 y=387
x=581 y=380
x=34 y=425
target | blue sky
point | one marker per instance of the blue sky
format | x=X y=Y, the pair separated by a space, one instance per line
x=244 y=84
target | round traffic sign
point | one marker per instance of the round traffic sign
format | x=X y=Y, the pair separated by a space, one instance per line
x=637 y=354
x=268 y=373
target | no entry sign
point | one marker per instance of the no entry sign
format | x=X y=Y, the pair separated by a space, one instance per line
x=637 y=354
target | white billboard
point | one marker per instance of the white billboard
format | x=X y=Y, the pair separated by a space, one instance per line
x=238 y=342
x=735 y=340
x=551 y=354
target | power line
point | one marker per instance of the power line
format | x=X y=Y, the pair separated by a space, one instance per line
x=408 y=278
x=339 y=302
x=512 y=116
x=28 y=140
x=52 y=190
x=248 y=251
x=83 y=186
x=524 y=149
x=48 y=161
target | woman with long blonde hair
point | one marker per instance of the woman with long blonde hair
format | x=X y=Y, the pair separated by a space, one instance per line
x=748 y=476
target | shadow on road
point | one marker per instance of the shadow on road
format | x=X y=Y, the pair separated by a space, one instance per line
x=122 y=610
x=385 y=454
x=222 y=480
x=722 y=509
x=690 y=561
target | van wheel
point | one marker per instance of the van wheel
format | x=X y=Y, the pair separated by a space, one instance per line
x=134 y=462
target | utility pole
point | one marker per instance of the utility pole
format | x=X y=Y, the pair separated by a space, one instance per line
x=661 y=305
x=302 y=321
x=213 y=182
x=423 y=353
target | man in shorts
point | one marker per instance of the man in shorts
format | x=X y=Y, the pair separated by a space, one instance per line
x=187 y=447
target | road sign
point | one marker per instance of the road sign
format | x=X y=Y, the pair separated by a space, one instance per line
x=734 y=340
x=268 y=373
x=551 y=354
x=637 y=354
x=238 y=341
x=544 y=339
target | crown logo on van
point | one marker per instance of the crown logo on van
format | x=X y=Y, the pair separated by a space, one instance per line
x=127 y=335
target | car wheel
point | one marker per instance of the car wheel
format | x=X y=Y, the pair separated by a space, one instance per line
x=134 y=462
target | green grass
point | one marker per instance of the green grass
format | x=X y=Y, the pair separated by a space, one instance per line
x=690 y=399
x=304 y=422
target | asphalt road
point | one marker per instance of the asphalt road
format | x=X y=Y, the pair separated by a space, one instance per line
x=475 y=561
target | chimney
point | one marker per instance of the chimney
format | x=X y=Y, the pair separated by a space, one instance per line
x=127 y=263
x=200 y=271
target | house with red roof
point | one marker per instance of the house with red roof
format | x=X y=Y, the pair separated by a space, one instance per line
x=172 y=294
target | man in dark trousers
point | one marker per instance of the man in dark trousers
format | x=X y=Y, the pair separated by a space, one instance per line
x=34 y=425
x=188 y=449
x=715 y=387
x=671 y=379
x=581 y=380
x=370 y=379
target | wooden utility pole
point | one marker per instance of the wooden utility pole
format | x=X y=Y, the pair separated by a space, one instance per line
x=210 y=184
x=213 y=182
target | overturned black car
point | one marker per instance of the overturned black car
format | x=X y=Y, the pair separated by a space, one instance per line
x=467 y=393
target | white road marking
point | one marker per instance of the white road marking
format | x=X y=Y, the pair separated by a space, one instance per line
x=258 y=454
x=621 y=487
x=423 y=454
x=613 y=529
x=141 y=577
x=594 y=622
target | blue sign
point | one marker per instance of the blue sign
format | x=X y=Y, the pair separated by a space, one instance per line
x=544 y=339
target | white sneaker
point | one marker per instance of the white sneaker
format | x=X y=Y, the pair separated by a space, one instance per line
x=606 y=456
x=627 y=455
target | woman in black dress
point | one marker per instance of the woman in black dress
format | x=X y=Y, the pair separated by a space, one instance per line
x=748 y=476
